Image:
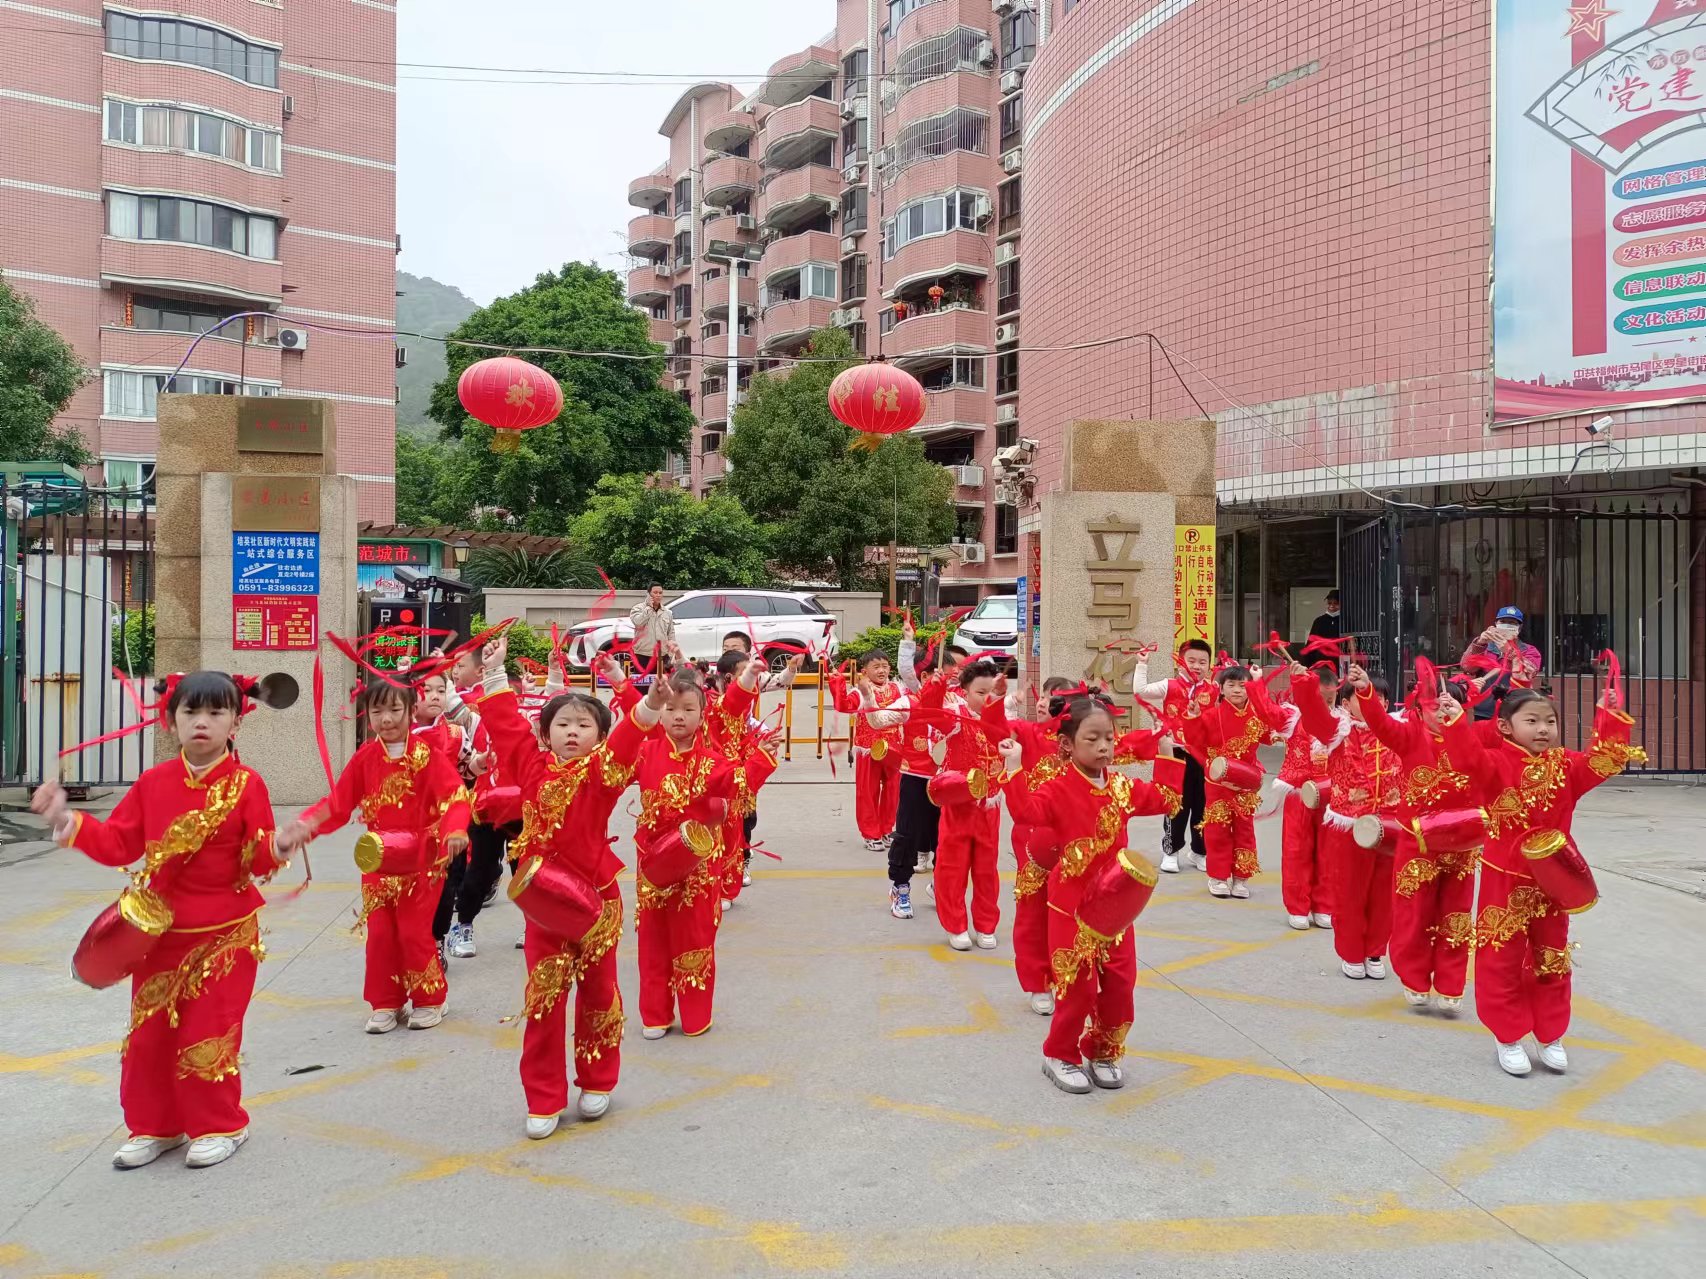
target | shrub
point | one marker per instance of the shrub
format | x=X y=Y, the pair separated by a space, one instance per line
x=133 y=642
x=888 y=639
x=524 y=641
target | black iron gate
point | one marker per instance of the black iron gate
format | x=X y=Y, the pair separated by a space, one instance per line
x=1369 y=593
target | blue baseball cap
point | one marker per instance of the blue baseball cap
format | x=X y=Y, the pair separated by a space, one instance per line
x=1511 y=613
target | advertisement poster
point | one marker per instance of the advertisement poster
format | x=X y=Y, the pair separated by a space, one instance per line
x=1193 y=583
x=275 y=563
x=1599 y=241
x=276 y=622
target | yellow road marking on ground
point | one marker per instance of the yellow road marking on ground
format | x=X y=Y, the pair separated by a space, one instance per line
x=1229 y=951
x=55 y=1063
x=322 y=1082
x=281 y=1000
x=1162 y=1089
x=1674 y=1047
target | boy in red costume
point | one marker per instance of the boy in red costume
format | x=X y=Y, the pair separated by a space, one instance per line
x=1530 y=785
x=732 y=732
x=1304 y=881
x=1192 y=686
x=202 y=826
x=876 y=751
x=1088 y=807
x=411 y=797
x=1242 y=719
x=970 y=828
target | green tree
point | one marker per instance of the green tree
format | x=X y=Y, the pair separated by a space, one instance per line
x=643 y=533
x=548 y=570
x=617 y=417
x=822 y=502
x=39 y=373
x=423 y=481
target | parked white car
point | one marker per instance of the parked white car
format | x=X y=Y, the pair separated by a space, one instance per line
x=992 y=627
x=702 y=618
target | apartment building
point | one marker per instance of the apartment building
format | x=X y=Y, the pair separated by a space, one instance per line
x=162 y=171
x=872 y=181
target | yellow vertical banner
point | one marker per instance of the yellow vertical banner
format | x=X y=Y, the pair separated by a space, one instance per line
x=1193 y=583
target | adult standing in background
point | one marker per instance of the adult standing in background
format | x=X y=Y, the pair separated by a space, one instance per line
x=1326 y=626
x=1499 y=661
x=654 y=629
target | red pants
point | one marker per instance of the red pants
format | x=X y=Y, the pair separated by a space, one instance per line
x=968 y=846
x=179 y=1071
x=678 y=954
x=876 y=792
x=1030 y=924
x=1362 y=896
x=1303 y=860
x=733 y=868
x=1433 y=918
x=402 y=957
x=1229 y=832
x=1522 y=960
x=1092 y=994
x=552 y=965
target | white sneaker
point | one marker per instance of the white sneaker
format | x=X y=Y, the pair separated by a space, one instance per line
x=876 y=846
x=1375 y=967
x=653 y=1032
x=383 y=1021
x=1068 y=1076
x=930 y=889
x=1219 y=888
x=985 y=941
x=207 y=1151
x=140 y=1151
x=592 y=1105
x=746 y=879
x=1321 y=920
x=1553 y=1056
x=728 y=903
x=960 y=941
x=1107 y=1074
x=1513 y=1059
x=1042 y=1003
x=924 y=863
x=1449 y=1004
x=540 y=1127
x=1299 y=922
x=1241 y=888
x=1415 y=998
x=1199 y=861
x=1169 y=863
x=521 y=942
x=1352 y=970
x=426 y=1018
x=462 y=941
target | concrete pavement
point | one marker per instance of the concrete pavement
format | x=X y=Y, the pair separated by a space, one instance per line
x=870 y=1103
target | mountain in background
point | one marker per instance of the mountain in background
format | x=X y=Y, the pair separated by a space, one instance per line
x=424 y=306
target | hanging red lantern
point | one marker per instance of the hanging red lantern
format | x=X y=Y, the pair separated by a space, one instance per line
x=937 y=293
x=876 y=399
x=510 y=396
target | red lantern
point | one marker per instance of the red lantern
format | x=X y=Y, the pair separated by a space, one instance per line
x=876 y=399
x=937 y=293
x=510 y=396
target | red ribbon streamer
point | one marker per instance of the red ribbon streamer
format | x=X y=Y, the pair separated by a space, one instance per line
x=1613 y=680
x=320 y=722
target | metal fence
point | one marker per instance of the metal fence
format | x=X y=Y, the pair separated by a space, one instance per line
x=78 y=610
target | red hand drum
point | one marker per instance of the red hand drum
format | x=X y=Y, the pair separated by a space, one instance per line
x=1117 y=893
x=1376 y=833
x=1560 y=870
x=958 y=788
x=561 y=901
x=1455 y=830
x=1235 y=774
x=388 y=852
x=675 y=855
x=499 y=806
x=1039 y=845
x=120 y=938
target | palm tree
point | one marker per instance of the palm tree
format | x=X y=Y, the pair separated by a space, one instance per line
x=515 y=568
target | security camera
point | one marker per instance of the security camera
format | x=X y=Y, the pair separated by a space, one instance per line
x=1599 y=426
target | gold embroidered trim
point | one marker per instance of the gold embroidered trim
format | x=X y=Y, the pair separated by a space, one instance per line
x=1077 y=856
x=1252 y=730
x=189 y=831
x=675 y=792
x=1542 y=778
x=547 y=982
x=1552 y=961
x=1045 y=770
x=1413 y=874
x=1460 y=865
x=693 y=969
x=215 y=958
x=1031 y=878
x=1106 y=1043
x=386 y=890
x=603 y=1033
x=398 y=783
x=246 y=861
x=1456 y=929
x=1086 y=953
x=1499 y=924
x=1244 y=864
x=423 y=981
x=211 y=1060
x=1429 y=784
x=1610 y=756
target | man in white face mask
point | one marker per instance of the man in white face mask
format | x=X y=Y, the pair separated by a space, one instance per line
x=1502 y=638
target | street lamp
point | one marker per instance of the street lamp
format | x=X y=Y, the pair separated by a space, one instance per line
x=733 y=253
x=459 y=551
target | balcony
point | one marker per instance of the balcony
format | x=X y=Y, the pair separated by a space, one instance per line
x=728 y=177
x=712 y=468
x=714 y=405
x=788 y=324
x=793 y=132
x=646 y=287
x=797 y=75
x=955 y=410
x=798 y=194
x=187 y=267
x=791 y=252
x=728 y=129
x=661 y=329
x=955 y=327
x=921 y=263
x=735 y=229
x=650 y=191
x=650 y=234
x=716 y=347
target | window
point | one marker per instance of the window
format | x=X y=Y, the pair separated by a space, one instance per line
x=214 y=226
x=962 y=370
x=817 y=281
x=1006 y=434
x=1006 y=531
x=127 y=473
x=172 y=40
x=898 y=9
x=933 y=215
x=1008 y=206
x=1018 y=39
x=694 y=609
x=954 y=50
x=853 y=278
x=968 y=523
x=1012 y=122
x=163 y=126
x=856 y=335
x=855 y=67
x=135 y=395
x=710 y=441
x=683 y=250
x=958 y=130
x=684 y=301
x=741 y=150
x=1007 y=287
x=684 y=196
x=855 y=201
x=1006 y=372
x=169 y=316
x=855 y=137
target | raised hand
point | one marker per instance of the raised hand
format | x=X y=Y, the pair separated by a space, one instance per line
x=1358 y=678
x=492 y=658
x=1012 y=755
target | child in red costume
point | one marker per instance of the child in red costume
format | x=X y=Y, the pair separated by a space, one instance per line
x=1088 y=807
x=917 y=825
x=1168 y=700
x=683 y=777
x=1042 y=759
x=202 y=826
x=1364 y=776
x=1529 y=783
x=1433 y=902
x=1304 y=882
x=569 y=788
x=876 y=751
x=969 y=844
x=403 y=788
x=1240 y=720
x=732 y=732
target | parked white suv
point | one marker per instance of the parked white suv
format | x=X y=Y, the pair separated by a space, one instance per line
x=702 y=618
x=992 y=627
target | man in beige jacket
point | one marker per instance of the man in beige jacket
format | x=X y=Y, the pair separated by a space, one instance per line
x=654 y=628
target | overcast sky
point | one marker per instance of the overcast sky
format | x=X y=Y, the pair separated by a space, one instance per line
x=497 y=182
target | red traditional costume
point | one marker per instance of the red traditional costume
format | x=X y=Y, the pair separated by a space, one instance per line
x=1522 y=937
x=1364 y=775
x=1433 y=904
x=1304 y=880
x=969 y=845
x=566 y=807
x=876 y=757
x=205 y=841
x=416 y=792
x=1093 y=989
x=1224 y=731
x=1041 y=762
x=729 y=730
x=1168 y=699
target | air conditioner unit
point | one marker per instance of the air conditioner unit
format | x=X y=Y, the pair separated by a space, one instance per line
x=851 y=173
x=402 y=357
x=986 y=53
x=1002 y=7
x=289 y=106
x=884 y=157
x=684 y=481
x=1012 y=82
x=972 y=552
x=850 y=243
x=1005 y=413
x=837 y=317
x=1005 y=333
x=1005 y=252
x=968 y=475
x=1013 y=160
x=293 y=339
x=847 y=105
x=861 y=109
x=746 y=222
x=983 y=208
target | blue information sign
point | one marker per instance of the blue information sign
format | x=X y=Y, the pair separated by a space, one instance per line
x=275 y=563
